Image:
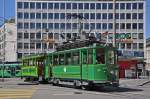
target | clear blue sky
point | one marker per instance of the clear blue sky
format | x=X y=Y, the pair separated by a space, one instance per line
x=10 y=12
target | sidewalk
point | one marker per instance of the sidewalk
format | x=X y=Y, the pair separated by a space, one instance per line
x=133 y=82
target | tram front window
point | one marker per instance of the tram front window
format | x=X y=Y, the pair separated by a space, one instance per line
x=100 y=56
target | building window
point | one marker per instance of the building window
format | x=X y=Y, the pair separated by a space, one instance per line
x=141 y=45
x=19 y=46
x=110 y=26
x=38 y=25
x=92 y=26
x=56 y=16
x=104 y=6
x=98 y=5
x=140 y=36
x=32 y=35
x=26 y=45
x=20 y=15
x=38 y=35
x=68 y=5
x=74 y=5
x=86 y=15
x=32 y=45
x=26 y=5
x=128 y=25
x=68 y=26
x=80 y=5
x=128 y=45
x=44 y=25
x=128 y=16
x=74 y=25
x=68 y=35
x=26 y=25
x=38 y=45
x=98 y=26
x=19 y=5
x=92 y=6
x=62 y=26
x=134 y=16
x=62 y=15
x=128 y=6
x=122 y=5
x=140 y=26
x=134 y=6
x=104 y=16
x=44 y=5
x=50 y=5
x=122 y=25
x=110 y=16
x=134 y=35
x=86 y=26
x=56 y=25
x=86 y=5
x=117 y=15
x=26 y=35
x=32 y=15
x=19 y=35
x=56 y=5
x=140 y=6
x=56 y=36
x=50 y=15
x=117 y=6
x=122 y=16
x=32 y=5
x=32 y=25
x=110 y=6
x=38 y=5
x=140 y=16
x=104 y=25
x=62 y=6
x=134 y=45
x=50 y=25
x=44 y=15
x=20 y=25
x=26 y=15
x=38 y=15
x=122 y=45
x=134 y=26
x=98 y=15
x=92 y=16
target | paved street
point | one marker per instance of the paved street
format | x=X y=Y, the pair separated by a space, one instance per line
x=17 y=89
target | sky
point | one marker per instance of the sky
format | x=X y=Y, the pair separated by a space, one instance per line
x=10 y=13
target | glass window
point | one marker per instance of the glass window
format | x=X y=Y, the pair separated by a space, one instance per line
x=140 y=6
x=141 y=36
x=56 y=15
x=19 y=4
x=38 y=25
x=104 y=5
x=56 y=25
x=68 y=26
x=86 y=26
x=32 y=45
x=68 y=5
x=134 y=35
x=26 y=35
x=110 y=6
x=104 y=16
x=98 y=25
x=92 y=15
x=122 y=25
x=32 y=5
x=75 y=58
x=26 y=15
x=44 y=25
x=128 y=45
x=128 y=16
x=38 y=5
x=134 y=6
x=92 y=6
x=86 y=15
x=74 y=25
x=19 y=35
x=32 y=15
x=117 y=25
x=110 y=26
x=92 y=25
x=134 y=45
x=26 y=25
x=56 y=5
x=110 y=16
x=80 y=5
x=100 y=56
x=74 y=5
x=50 y=15
x=62 y=15
x=98 y=5
x=128 y=6
x=117 y=6
x=134 y=16
x=56 y=36
x=111 y=57
x=26 y=5
x=140 y=26
x=38 y=45
x=128 y=25
x=68 y=15
x=50 y=5
x=38 y=35
x=117 y=15
x=32 y=25
x=26 y=45
x=122 y=16
x=44 y=15
x=69 y=35
x=62 y=5
x=20 y=25
x=20 y=15
x=86 y=5
x=141 y=45
x=104 y=25
x=19 y=46
x=38 y=15
x=122 y=45
x=62 y=26
x=122 y=5
x=50 y=25
x=134 y=26
x=140 y=16
x=44 y=5
x=98 y=15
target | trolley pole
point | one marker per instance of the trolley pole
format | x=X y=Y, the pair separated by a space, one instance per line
x=114 y=23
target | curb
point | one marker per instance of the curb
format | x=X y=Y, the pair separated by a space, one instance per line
x=146 y=82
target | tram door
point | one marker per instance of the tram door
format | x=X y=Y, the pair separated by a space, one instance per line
x=84 y=64
x=40 y=70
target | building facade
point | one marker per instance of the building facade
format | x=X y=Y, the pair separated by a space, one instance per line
x=41 y=21
x=8 y=42
x=148 y=54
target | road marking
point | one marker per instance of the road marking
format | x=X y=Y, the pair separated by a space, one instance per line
x=63 y=94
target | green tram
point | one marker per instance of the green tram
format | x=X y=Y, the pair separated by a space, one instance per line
x=87 y=65
x=9 y=70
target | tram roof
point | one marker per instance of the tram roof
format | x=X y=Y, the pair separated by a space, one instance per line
x=39 y=56
x=12 y=65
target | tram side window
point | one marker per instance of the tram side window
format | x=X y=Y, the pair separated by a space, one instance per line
x=111 y=56
x=55 y=60
x=61 y=59
x=90 y=56
x=100 y=56
x=68 y=59
x=84 y=57
x=75 y=57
